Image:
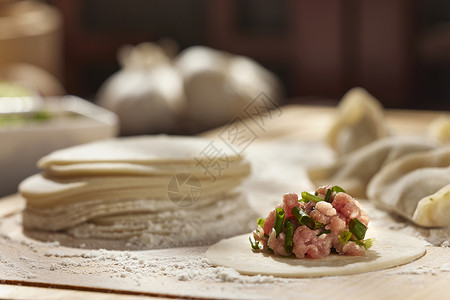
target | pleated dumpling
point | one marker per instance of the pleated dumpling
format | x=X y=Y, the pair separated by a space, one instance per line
x=359 y=121
x=439 y=129
x=434 y=210
x=354 y=170
x=416 y=187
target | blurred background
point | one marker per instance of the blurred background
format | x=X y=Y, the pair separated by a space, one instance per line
x=398 y=50
x=187 y=66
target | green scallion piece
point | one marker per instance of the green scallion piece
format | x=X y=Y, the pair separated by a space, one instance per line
x=309 y=197
x=253 y=243
x=328 y=195
x=318 y=225
x=288 y=241
x=345 y=236
x=324 y=232
x=41 y=116
x=368 y=243
x=260 y=222
x=279 y=219
x=360 y=243
x=303 y=218
x=337 y=189
x=357 y=228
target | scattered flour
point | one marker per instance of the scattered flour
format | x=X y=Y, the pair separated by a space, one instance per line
x=125 y=264
x=445 y=267
x=134 y=265
x=416 y=270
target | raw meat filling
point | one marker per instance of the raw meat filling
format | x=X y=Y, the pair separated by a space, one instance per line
x=314 y=225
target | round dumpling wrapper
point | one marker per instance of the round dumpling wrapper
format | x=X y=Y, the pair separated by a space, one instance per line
x=389 y=250
x=234 y=168
x=159 y=149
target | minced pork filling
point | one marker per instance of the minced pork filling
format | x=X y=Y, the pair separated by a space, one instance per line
x=313 y=225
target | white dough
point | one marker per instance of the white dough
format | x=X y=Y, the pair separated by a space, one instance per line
x=43 y=192
x=238 y=168
x=167 y=190
x=389 y=250
x=157 y=211
x=160 y=149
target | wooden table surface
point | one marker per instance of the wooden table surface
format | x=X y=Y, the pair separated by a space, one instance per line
x=291 y=123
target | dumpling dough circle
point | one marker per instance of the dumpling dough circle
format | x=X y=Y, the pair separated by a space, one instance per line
x=390 y=249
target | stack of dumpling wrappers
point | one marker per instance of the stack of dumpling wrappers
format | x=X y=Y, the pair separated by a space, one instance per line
x=159 y=190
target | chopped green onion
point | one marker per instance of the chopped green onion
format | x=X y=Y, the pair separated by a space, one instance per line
x=288 y=241
x=337 y=189
x=318 y=225
x=328 y=195
x=41 y=116
x=360 y=243
x=260 y=222
x=366 y=243
x=303 y=218
x=324 y=232
x=255 y=244
x=357 y=228
x=279 y=218
x=309 y=197
x=286 y=220
x=345 y=236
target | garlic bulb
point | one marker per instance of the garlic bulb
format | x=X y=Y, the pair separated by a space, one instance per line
x=219 y=86
x=147 y=93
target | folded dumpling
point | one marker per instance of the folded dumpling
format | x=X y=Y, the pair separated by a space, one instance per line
x=359 y=121
x=354 y=170
x=434 y=210
x=416 y=187
x=439 y=129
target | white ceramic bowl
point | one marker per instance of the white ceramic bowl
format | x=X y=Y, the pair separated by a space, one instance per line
x=77 y=121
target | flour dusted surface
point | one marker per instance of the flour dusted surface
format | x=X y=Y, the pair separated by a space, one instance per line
x=175 y=271
x=148 y=271
x=185 y=271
